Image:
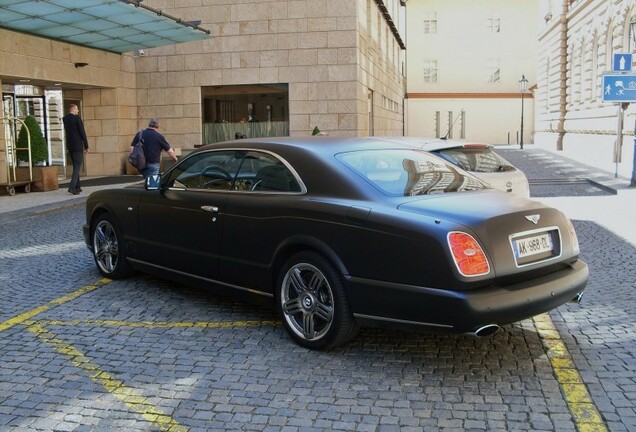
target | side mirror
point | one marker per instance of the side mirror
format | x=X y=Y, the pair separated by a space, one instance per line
x=153 y=182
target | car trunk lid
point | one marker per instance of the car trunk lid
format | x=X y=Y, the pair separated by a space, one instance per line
x=517 y=234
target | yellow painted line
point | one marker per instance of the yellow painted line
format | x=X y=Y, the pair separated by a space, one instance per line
x=20 y=319
x=584 y=413
x=117 y=388
x=155 y=324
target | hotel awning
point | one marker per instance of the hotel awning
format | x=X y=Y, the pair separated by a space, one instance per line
x=112 y=25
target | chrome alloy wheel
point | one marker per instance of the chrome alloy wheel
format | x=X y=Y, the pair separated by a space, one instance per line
x=307 y=301
x=105 y=246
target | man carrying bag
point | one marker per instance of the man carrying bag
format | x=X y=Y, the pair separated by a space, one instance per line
x=152 y=143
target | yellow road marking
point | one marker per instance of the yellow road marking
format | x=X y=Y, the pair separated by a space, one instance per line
x=117 y=388
x=20 y=319
x=584 y=413
x=157 y=324
x=131 y=397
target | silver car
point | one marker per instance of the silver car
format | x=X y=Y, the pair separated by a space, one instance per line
x=478 y=159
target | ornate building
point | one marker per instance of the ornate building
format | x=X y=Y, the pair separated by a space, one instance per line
x=577 y=41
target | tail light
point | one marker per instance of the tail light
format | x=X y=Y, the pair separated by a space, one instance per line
x=575 y=240
x=469 y=257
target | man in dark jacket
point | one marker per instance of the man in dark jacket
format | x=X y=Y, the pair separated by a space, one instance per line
x=154 y=143
x=76 y=144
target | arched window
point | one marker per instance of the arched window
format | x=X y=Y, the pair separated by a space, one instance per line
x=547 y=85
x=626 y=39
x=609 y=45
x=594 y=71
x=582 y=75
x=573 y=76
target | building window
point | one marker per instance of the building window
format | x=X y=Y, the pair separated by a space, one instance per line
x=430 y=71
x=231 y=112
x=494 y=24
x=547 y=85
x=430 y=22
x=594 y=83
x=493 y=71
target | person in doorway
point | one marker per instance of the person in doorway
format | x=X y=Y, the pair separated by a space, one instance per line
x=154 y=143
x=76 y=144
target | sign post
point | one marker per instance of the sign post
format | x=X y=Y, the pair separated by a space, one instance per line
x=633 y=182
x=620 y=88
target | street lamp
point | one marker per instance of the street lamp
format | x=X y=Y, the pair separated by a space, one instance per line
x=523 y=87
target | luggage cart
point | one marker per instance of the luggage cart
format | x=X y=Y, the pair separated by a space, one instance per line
x=12 y=161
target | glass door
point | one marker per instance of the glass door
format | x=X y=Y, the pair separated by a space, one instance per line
x=8 y=111
x=55 y=140
x=34 y=106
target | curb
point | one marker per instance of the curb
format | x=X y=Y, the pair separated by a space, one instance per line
x=15 y=215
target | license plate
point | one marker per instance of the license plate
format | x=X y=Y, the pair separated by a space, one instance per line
x=529 y=246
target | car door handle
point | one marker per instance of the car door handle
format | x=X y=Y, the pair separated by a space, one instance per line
x=211 y=209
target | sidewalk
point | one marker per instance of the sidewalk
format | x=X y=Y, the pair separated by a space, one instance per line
x=615 y=212
x=27 y=204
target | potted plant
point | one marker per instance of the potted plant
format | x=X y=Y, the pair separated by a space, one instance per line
x=44 y=176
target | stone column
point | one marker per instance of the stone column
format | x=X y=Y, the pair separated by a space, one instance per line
x=110 y=119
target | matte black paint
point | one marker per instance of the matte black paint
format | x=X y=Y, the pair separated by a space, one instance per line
x=392 y=251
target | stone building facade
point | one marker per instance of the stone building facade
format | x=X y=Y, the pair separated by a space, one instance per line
x=269 y=68
x=577 y=40
x=105 y=87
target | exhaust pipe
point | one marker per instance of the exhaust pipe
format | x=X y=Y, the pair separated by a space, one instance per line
x=577 y=298
x=487 y=330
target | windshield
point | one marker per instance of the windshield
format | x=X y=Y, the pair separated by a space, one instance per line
x=401 y=172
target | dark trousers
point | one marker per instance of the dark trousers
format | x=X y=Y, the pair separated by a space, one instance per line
x=77 y=157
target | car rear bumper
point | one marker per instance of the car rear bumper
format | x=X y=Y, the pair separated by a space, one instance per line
x=394 y=305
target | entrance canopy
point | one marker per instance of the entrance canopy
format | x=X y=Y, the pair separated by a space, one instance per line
x=112 y=25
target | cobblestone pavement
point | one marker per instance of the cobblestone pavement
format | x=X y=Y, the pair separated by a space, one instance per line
x=144 y=354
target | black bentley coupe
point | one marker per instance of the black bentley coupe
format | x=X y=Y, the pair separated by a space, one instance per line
x=340 y=233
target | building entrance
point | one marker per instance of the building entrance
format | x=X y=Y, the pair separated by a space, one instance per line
x=46 y=106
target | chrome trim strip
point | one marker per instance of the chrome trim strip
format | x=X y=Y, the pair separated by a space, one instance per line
x=249 y=290
x=543 y=230
x=399 y=321
x=303 y=188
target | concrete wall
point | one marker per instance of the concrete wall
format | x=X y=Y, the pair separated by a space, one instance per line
x=487 y=120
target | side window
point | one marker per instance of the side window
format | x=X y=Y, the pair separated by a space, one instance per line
x=267 y=174
x=213 y=170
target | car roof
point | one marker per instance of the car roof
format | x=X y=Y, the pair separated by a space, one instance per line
x=316 y=144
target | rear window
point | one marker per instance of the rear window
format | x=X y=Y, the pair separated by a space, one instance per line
x=482 y=160
x=409 y=172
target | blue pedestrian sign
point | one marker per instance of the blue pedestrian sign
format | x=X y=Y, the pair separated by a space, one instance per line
x=622 y=62
x=619 y=88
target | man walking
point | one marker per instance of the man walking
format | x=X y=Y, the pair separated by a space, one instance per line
x=154 y=143
x=76 y=144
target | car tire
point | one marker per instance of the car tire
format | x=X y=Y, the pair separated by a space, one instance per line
x=108 y=250
x=311 y=300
